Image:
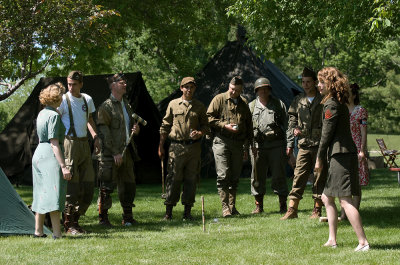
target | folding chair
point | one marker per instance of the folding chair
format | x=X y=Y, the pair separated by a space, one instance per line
x=388 y=155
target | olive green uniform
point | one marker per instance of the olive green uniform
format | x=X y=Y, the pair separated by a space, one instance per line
x=307 y=117
x=113 y=134
x=269 y=128
x=184 y=153
x=337 y=144
x=228 y=147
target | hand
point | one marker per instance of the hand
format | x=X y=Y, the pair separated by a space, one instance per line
x=97 y=147
x=296 y=131
x=136 y=129
x=118 y=160
x=289 y=151
x=361 y=156
x=196 y=134
x=254 y=151
x=161 y=152
x=245 y=155
x=231 y=127
x=66 y=173
x=318 y=166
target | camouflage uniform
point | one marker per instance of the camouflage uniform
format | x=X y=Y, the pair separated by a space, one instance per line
x=228 y=147
x=269 y=127
x=112 y=132
x=307 y=117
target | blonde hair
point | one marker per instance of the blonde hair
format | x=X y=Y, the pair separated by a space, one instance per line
x=336 y=83
x=52 y=93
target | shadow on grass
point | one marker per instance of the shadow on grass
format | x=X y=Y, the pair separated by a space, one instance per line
x=386 y=246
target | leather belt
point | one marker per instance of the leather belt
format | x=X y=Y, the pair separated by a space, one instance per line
x=76 y=138
x=185 y=142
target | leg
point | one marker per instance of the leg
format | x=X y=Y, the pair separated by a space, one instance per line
x=354 y=219
x=357 y=201
x=39 y=221
x=236 y=165
x=331 y=212
x=106 y=188
x=55 y=223
x=126 y=189
x=277 y=161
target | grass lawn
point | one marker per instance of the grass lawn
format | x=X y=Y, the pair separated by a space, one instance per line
x=247 y=239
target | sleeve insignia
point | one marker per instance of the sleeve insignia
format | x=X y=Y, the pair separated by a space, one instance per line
x=328 y=114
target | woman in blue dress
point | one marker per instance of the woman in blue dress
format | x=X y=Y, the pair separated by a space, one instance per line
x=48 y=166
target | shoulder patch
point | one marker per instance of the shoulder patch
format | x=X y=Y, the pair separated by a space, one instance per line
x=328 y=114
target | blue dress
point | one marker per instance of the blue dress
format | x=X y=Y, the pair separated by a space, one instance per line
x=49 y=186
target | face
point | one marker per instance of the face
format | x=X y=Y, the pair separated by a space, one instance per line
x=188 y=91
x=235 y=90
x=308 y=85
x=74 y=87
x=119 y=87
x=263 y=92
x=321 y=87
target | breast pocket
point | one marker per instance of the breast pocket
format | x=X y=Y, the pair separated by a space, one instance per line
x=179 y=117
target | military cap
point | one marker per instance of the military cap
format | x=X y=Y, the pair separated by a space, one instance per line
x=260 y=82
x=187 y=80
x=237 y=80
x=308 y=72
x=115 y=78
x=76 y=75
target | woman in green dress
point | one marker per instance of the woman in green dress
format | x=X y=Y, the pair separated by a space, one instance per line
x=48 y=166
x=338 y=146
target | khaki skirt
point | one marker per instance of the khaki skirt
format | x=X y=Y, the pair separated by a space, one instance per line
x=342 y=178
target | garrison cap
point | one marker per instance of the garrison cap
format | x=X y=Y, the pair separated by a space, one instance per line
x=115 y=78
x=308 y=72
x=236 y=80
x=76 y=75
x=260 y=82
x=187 y=80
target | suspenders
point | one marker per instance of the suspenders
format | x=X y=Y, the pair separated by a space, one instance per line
x=71 y=118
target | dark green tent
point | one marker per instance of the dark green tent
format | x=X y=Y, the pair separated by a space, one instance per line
x=15 y=216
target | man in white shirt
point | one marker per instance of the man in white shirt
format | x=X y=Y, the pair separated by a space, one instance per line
x=76 y=112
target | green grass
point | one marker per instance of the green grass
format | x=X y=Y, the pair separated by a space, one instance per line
x=248 y=239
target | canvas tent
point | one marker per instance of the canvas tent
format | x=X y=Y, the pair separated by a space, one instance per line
x=235 y=58
x=15 y=216
x=18 y=140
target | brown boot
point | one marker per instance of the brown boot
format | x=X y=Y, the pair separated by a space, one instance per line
x=103 y=219
x=232 y=202
x=317 y=211
x=70 y=221
x=76 y=223
x=186 y=214
x=224 y=196
x=290 y=214
x=168 y=212
x=259 y=204
x=282 y=204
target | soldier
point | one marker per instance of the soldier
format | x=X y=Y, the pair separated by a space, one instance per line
x=76 y=112
x=269 y=127
x=230 y=118
x=305 y=123
x=185 y=123
x=116 y=167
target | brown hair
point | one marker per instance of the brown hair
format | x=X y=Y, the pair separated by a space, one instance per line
x=355 y=90
x=51 y=94
x=336 y=83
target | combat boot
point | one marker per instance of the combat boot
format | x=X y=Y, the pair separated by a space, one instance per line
x=76 y=223
x=290 y=214
x=186 y=214
x=168 y=212
x=103 y=219
x=259 y=204
x=317 y=211
x=127 y=217
x=69 y=221
x=224 y=196
x=292 y=211
x=232 y=202
x=282 y=204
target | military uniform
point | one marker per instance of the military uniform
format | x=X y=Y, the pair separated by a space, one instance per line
x=307 y=117
x=114 y=137
x=269 y=128
x=184 y=153
x=228 y=147
x=337 y=144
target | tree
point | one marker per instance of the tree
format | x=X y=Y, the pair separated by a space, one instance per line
x=35 y=33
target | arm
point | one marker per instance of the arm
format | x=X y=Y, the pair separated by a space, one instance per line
x=165 y=129
x=214 y=115
x=363 y=128
x=92 y=129
x=203 y=122
x=55 y=146
x=292 y=129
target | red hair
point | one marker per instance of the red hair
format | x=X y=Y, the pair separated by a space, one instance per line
x=336 y=83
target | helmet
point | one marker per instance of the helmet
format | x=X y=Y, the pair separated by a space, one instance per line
x=262 y=81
